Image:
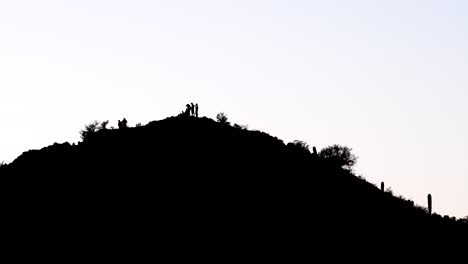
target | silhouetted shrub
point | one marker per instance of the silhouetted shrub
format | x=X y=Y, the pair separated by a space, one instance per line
x=244 y=127
x=222 y=118
x=2 y=164
x=93 y=127
x=299 y=145
x=389 y=190
x=361 y=177
x=465 y=220
x=138 y=125
x=419 y=207
x=340 y=155
x=89 y=129
x=103 y=125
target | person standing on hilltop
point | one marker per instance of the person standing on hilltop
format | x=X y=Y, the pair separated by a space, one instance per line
x=122 y=124
x=192 y=109
x=188 y=110
x=196 y=110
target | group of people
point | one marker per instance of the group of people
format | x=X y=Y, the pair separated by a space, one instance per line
x=191 y=110
x=122 y=124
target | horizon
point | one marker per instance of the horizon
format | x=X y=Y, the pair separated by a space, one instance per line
x=387 y=79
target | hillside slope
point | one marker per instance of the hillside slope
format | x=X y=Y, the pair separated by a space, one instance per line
x=196 y=178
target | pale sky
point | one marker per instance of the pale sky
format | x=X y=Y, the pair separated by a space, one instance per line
x=387 y=78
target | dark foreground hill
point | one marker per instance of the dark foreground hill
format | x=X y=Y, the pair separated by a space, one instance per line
x=194 y=184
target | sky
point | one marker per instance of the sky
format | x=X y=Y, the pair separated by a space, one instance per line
x=387 y=78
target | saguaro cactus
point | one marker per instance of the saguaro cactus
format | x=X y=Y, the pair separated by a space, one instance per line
x=429 y=203
x=382 y=187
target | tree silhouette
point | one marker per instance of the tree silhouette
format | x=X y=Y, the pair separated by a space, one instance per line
x=222 y=118
x=93 y=127
x=340 y=155
x=89 y=129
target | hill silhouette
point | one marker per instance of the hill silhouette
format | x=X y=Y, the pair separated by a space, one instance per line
x=202 y=183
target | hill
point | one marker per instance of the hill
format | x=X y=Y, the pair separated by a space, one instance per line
x=196 y=180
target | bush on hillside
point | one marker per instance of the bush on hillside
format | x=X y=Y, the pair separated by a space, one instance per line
x=103 y=125
x=92 y=128
x=340 y=155
x=222 y=118
x=244 y=127
x=299 y=144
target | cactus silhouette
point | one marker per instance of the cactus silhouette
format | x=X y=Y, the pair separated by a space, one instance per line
x=429 y=203
x=382 y=187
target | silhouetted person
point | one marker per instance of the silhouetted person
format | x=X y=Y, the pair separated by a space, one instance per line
x=122 y=124
x=196 y=110
x=192 y=112
x=188 y=110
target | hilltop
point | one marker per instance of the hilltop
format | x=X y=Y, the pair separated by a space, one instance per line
x=197 y=178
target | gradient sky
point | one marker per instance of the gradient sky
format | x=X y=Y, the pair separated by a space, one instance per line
x=387 y=78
